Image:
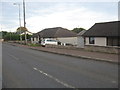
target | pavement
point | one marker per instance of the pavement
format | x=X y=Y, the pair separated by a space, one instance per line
x=26 y=68
x=98 y=56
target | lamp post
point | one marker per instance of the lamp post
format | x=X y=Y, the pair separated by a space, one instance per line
x=24 y=20
x=19 y=20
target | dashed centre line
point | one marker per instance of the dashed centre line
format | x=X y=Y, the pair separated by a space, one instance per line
x=13 y=57
x=48 y=75
x=55 y=79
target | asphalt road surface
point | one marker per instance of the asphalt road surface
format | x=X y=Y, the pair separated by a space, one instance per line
x=27 y=68
x=0 y=65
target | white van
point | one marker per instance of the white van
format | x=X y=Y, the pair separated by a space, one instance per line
x=49 y=41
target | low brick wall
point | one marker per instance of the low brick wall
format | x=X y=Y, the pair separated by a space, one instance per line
x=64 y=47
x=106 y=49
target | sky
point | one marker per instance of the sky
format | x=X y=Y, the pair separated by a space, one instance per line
x=48 y=14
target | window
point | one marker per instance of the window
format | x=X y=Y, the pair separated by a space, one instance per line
x=51 y=40
x=91 y=40
x=33 y=38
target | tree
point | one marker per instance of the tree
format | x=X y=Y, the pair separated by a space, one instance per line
x=21 y=30
x=28 y=36
x=77 y=30
x=3 y=33
x=11 y=36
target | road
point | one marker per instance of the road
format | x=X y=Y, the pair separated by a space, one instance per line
x=0 y=65
x=27 y=68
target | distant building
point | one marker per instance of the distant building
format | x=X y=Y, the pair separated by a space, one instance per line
x=63 y=35
x=103 y=34
x=80 y=39
x=27 y=32
x=22 y=30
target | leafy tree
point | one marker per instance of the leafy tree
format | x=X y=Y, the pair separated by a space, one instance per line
x=28 y=37
x=3 y=33
x=77 y=30
x=21 y=30
x=11 y=36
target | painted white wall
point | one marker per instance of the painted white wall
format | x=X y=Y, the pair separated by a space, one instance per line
x=38 y=39
x=70 y=40
x=35 y=40
x=29 y=33
x=87 y=41
x=99 y=41
x=80 y=41
x=31 y=40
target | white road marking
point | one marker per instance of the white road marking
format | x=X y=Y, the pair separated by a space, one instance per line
x=57 y=80
x=13 y=57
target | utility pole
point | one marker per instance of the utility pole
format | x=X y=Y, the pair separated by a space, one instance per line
x=24 y=20
x=20 y=24
x=19 y=20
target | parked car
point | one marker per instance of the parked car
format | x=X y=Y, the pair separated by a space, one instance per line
x=49 y=41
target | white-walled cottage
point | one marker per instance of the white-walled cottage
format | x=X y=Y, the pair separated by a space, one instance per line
x=103 y=34
x=63 y=35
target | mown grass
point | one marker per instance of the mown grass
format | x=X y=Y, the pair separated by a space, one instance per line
x=33 y=45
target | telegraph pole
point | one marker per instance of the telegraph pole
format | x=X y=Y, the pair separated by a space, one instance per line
x=24 y=20
x=20 y=23
x=19 y=20
x=24 y=12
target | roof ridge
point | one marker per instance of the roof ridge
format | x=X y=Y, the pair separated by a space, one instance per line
x=56 y=31
x=103 y=29
x=107 y=22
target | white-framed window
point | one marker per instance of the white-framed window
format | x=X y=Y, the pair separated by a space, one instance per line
x=91 y=40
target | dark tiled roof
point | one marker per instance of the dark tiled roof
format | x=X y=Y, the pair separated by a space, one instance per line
x=81 y=33
x=107 y=29
x=56 y=32
x=35 y=35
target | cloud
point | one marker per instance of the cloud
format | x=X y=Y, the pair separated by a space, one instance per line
x=67 y=18
x=7 y=28
x=43 y=15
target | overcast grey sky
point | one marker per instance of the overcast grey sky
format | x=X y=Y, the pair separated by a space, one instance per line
x=67 y=14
